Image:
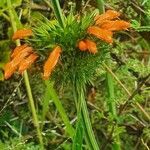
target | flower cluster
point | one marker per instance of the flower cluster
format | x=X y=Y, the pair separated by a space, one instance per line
x=22 y=56
x=103 y=28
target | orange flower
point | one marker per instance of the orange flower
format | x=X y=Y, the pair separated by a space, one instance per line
x=21 y=34
x=116 y=25
x=101 y=33
x=18 y=49
x=24 y=53
x=19 y=59
x=11 y=66
x=9 y=69
x=91 y=46
x=108 y=15
x=82 y=45
x=51 y=62
x=25 y=63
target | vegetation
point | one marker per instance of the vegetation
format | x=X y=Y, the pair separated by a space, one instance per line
x=74 y=75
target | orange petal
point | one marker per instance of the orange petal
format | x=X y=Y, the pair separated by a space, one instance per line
x=108 y=15
x=115 y=25
x=102 y=34
x=21 y=34
x=19 y=57
x=25 y=63
x=51 y=62
x=91 y=46
x=9 y=69
x=82 y=45
x=18 y=49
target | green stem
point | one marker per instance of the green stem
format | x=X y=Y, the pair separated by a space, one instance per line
x=32 y=105
x=89 y=134
x=58 y=13
x=26 y=79
x=60 y=108
x=88 y=126
x=112 y=107
x=111 y=101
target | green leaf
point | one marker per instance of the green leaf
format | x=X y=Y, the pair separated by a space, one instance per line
x=15 y=3
x=45 y=106
x=16 y=18
x=78 y=139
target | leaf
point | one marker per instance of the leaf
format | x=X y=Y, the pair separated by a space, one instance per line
x=15 y=3
x=78 y=139
x=16 y=18
x=45 y=106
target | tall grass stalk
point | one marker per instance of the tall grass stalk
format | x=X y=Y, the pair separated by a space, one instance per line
x=60 y=108
x=112 y=107
x=26 y=79
x=87 y=124
x=58 y=13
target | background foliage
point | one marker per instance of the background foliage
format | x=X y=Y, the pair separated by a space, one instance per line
x=128 y=59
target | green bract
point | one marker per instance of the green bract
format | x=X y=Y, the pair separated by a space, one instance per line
x=74 y=64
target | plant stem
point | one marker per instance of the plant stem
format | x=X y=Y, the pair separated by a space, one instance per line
x=26 y=79
x=60 y=108
x=112 y=107
x=58 y=13
x=111 y=101
x=80 y=100
x=87 y=124
x=32 y=105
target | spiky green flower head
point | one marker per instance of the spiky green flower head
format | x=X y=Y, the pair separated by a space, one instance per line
x=74 y=64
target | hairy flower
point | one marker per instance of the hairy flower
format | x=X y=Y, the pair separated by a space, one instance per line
x=21 y=34
x=91 y=46
x=108 y=15
x=82 y=45
x=116 y=25
x=51 y=62
x=24 y=53
x=25 y=63
x=102 y=34
x=11 y=66
x=18 y=49
x=9 y=69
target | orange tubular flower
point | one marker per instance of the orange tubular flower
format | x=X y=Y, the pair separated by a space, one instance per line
x=18 y=56
x=108 y=15
x=101 y=33
x=18 y=49
x=116 y=25
x=24 y=53
x=51 y=62
x=91 y=46
x=21 y=34
x=25 y=63
x=82 y=45
x=9 y=69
